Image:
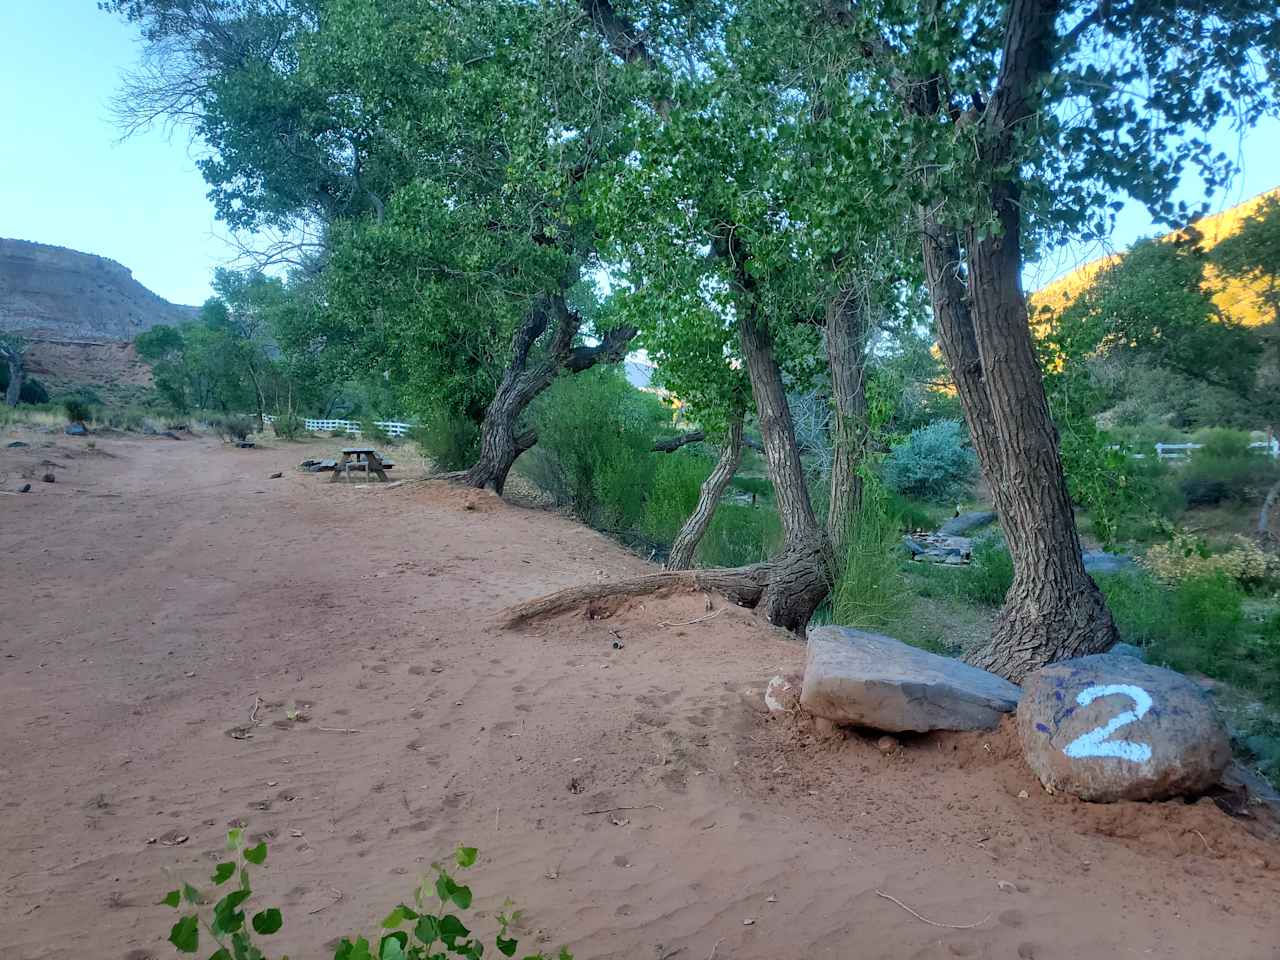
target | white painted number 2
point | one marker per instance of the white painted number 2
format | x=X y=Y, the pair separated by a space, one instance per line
x=1095 y=742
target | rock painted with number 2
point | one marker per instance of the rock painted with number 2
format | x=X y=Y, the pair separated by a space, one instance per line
x=1110 y=727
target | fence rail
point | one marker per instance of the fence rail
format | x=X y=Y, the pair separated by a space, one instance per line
x=394 y=428
x=1180 y=451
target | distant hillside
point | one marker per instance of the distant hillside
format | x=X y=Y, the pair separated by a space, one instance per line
x=80 y=313
x=53 y=292
x=1234 y=299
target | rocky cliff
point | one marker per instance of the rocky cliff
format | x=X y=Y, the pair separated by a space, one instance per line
x=79 y=314
x=52 y=293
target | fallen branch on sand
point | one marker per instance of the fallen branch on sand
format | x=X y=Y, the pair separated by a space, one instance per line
x=336 y=730
x=933 y=923
x=643 y=806
x=785 y=588
x=742 y=585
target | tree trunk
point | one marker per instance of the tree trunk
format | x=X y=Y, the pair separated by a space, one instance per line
x=690 y=535
x=800 y=576
x=16 y=370
x=1054 y=610
x=501 y=439
x=848 y=328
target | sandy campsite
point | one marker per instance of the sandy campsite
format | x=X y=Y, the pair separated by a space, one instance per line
x=187 y=644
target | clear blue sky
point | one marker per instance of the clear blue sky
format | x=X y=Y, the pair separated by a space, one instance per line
x=64 y=178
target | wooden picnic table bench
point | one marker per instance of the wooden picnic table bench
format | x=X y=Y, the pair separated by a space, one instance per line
x=360 y=458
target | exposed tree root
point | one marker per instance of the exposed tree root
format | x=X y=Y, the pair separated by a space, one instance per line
x=786 y=588
x=743 y=585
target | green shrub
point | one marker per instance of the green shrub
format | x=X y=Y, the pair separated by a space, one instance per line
x=739 y=535
x=31 y=392
x=1225 y=469
x=448 y=439
x=288 y=426
x=230 y=426
x=406 y=933
x=77 y=410
x=677 y=484
x=1196 y=625
x=595 y=437
x=869 y=591
x=370 y=432
x=990 y=573
x=933 y=463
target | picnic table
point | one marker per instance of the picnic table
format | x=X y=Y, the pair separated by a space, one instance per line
x=361 y=458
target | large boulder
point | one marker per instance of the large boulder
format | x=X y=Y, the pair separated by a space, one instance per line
x=966 y=523
x=853 y=677
x=1109 y=727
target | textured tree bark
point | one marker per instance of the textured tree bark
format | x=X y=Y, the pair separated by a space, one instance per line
x=501 y=439
x=17 y=368
x=800 y=575
x=1053 y=610
x=690 y=535
x=848 y=327
x=1264 y=515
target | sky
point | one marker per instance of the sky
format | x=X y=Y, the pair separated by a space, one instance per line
x=66 y=179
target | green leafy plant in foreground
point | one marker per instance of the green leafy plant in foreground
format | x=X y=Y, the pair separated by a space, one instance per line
x=406 y=933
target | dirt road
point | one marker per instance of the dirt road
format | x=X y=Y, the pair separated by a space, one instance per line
x=159 y=589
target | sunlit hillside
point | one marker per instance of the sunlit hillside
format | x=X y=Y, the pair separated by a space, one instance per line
x=1237 y=300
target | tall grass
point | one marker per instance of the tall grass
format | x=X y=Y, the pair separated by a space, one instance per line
x=740 y=534
x=869 y=591
x=677 y=484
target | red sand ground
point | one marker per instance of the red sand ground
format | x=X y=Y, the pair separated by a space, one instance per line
x=159 y=587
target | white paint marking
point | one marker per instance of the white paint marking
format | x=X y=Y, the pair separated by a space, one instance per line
x=1095 y=742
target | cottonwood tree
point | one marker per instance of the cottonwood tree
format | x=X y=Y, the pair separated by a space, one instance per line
x=739 y=253
x=1026 y=119
x=327 y=115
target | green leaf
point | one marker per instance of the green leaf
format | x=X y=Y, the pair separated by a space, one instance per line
x=190 y=893
x=223 y=872
x=268 y=921
x=226 y=919
x=233 y=838
x=427 y=930
x=506 y=947
x=172 y=898
x=451 y=928
x=398 y=916
x=462 y=896
x=220 y=954
x=393 y=945
x=465 y=856
x=257 y=855
x=185 y=935
x=444 y=887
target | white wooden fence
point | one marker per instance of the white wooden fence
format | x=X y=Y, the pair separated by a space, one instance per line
x=1180 y=451
x=394 y=428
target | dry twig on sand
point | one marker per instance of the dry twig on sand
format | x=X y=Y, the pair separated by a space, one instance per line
x=643 y=806
x=685 y=623
x=933 y=923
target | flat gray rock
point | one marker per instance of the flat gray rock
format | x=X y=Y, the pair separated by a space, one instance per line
x=967 y=523
x=854 y=677
x=75 y=430
x=1127 y=650
x=1109 y=727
